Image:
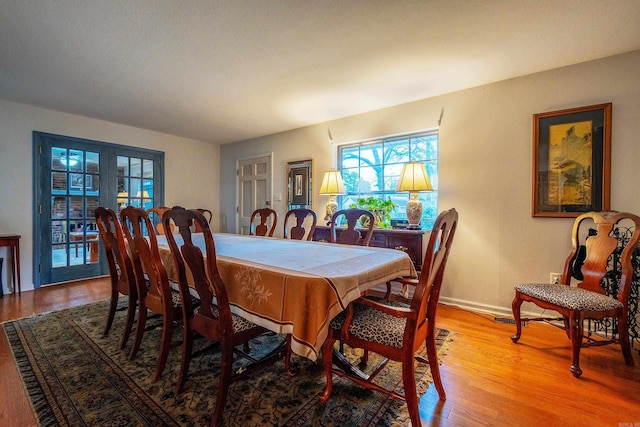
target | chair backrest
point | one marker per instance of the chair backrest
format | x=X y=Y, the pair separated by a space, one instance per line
x=263 y=215
x=145 y=258
x=297 y=232
x=609 y=250
x=208 y=215
x=203 y=267
x=427 y=292
x=351 y=235
x=158 y=211
x=118 y=260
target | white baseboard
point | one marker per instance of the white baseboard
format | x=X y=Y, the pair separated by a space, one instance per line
x=486 y=308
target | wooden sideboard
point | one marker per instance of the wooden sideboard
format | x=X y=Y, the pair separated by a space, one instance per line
x=409 y=241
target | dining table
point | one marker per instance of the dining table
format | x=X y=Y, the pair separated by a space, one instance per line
x=295 y=287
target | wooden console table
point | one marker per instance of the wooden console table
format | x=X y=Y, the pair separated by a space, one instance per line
x=409 y=241
x=12 y=241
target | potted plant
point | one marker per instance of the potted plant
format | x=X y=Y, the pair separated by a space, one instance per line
x=381 y=209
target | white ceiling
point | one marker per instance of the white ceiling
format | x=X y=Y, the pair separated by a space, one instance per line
x=225 y=71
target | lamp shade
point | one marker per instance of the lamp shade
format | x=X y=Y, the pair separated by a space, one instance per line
x=332 y=183
x=414 y=177
x=143 y=193
x=122 y=196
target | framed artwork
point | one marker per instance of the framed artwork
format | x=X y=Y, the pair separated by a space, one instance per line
x=299 y=183
x=76 y=181
x=572 y=161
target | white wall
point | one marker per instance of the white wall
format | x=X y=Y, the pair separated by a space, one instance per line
x=191 y=168
x=485 y=168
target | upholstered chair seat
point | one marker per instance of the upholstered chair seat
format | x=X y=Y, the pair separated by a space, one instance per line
x=570 y=297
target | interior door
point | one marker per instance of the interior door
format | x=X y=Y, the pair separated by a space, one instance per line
x=72 y=177
x=254 y=189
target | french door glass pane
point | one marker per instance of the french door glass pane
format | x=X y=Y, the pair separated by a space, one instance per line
x=135 y=182
x=75 y=192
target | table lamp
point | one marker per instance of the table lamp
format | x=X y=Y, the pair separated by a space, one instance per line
x=414 y=178
x=332 y=185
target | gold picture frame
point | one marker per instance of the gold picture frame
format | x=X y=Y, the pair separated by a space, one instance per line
x=572 y=161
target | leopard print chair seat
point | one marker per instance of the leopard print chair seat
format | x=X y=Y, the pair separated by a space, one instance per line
x=570 y=297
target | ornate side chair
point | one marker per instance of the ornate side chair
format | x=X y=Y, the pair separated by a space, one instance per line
x=263 y=216
x=351 y=235
x=603 y=292
x=406 y=326
x=212 y=321
x=298 y=232
x=154 y=291
x=123 y=279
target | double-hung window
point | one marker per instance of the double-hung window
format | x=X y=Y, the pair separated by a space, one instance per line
x=372 y=168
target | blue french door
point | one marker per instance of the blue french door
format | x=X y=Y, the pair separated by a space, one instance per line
x=72 y=178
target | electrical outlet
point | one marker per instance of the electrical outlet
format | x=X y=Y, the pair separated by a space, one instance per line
x=555 y=278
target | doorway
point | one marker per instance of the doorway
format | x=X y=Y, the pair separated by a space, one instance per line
x=72 y=177
x=254 y=189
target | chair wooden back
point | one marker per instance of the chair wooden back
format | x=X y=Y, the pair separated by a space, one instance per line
x=297 y=232
x=203 y=267
x=351 y=235
x=208 y=215
x=263 y=216
x=609 y=249
x=158 y=211
x=120 y=266
x=427 y=292
x=153 y=283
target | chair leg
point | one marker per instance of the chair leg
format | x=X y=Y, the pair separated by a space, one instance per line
x=287 y=358
x=223 y=383
x=165 y=345
x=575 y=329
x=142 y=323
x=131 y=314
x=327 y=361
x=410 y=392
x=434 y=366
x=623 y=336
x=112 y=310
x=515 y=308
x=187 y=348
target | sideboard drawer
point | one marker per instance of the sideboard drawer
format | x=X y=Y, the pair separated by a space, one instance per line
x=409 y=241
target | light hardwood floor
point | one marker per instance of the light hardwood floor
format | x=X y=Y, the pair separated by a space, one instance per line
x=489 y=380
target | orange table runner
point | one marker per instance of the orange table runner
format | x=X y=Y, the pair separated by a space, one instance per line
x=295 y=287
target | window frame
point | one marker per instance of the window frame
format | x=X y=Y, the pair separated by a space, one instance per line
x=385 y=159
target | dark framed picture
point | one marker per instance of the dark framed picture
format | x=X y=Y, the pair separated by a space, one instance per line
x=299 y=183
x=572 y=161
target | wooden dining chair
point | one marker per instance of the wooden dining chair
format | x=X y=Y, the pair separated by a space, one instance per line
x=298 y=231
x=261 y=228
x=351 y=235
x=157 y=214
x=154 y=291
x=121 y=272
x=396 y=330
x=604 y=285
x=208 y=215
x=212 y=321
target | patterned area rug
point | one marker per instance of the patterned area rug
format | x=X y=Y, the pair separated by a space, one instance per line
x=74 y=376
